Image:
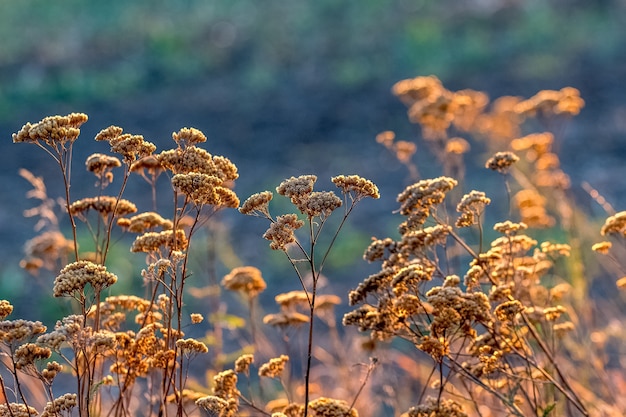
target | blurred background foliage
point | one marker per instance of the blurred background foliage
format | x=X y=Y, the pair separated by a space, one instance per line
x=292 y=87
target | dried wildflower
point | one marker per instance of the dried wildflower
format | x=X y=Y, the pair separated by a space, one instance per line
x=561 y=249
x=131 y=147
x=225 y=169
x=18 y=331
x=274 y=368
x=48 y=248
x=99 y=163
x=76 y=275
x=188 y=136
x=329 y=407
x=257 y=204
x=144 y=221
x=290 y=300
x=225 y=384
x=386 y=138
x=553 y=313
x=319 y=204
x=104 y=205
x=28 y=353
x=532 y=209
x=247 y=279
x=423 y=195
x=191 y=346
x=471 y=207
x=281 y=232
x=5 y=309
x=375 y=282
x=501 y=161
x=416 y=89
x=434 y=407
x=213 y=404
x=285 y=318
x=378 y=249
x=196 y=318
x=457 y=146
x=509 y=228
x=109 y=133
x=354 y=183
x=602 y=247
x=297 y=188
x=184 y=161
x=52 y=130
x=621 y=283
x=64 y=403
x=51 y=370
x=437 y=348
x=508 y=310
x=17 y=410
x=561 y=329
x=242 y=364
x=404 y=150
x=615 y=225
x=153 y=241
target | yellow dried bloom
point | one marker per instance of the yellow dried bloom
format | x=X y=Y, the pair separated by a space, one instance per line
x=188 y=136
x=602 y=247
x=196 y=318
x=184 y=161
x=356 y=184
x=615 y=225
x=247 y=279
x=28 y=353
x=471 y=206
x=52 y=130
x=561 y=329
x=17 y=410
x=386 y=138
x=621 y=283
x=416 y=89
x=64 y=403
x=329 y=407
x=46 y=249
x=285 y=318
x=509 y=228
x=561 y=249
x=501 y=161
x=190 y=346
x=153 y=241
x=424 y=194
x=553 y=313
x=225 y=384
x=565 y=101
x=404 y=150
x=225 y=169
x=145 y=221
x=104 y=205
x=297 y=188
x=457 y=146
x=281 y=232
x=319 y=203
x=274 y=368
x=257 y=204
x=290 y=300
x=213 y=404
x=376 y=282
x=434 y=407
x=242 y=364
x=100 y=163
x=5 y=309
x=131 y=147
x=76 y=275
x=508 y=310
x=51 y=371
x=437 y=348
x=109 y=133
x=17 y=331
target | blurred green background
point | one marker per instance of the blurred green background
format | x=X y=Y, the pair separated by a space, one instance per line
x=286 y=88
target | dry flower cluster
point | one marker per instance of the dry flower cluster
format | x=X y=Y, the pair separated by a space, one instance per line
x=460 y=320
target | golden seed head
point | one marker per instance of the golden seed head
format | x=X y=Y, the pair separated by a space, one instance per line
x=297 y=187
x=188 y=136
x=191 y=346
x=105 y=205
x=5 y=309
x=247 y=279
x=196 y=318
x=615 y=225
x=501 y=161
x=242 y=364
x=281 y=232
x=361 y=187
x=602 y=247
x=257 y=204
x=75 y=276
x=274 y=368
x=154 y=241
x=144 y=221
x=52 y=130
